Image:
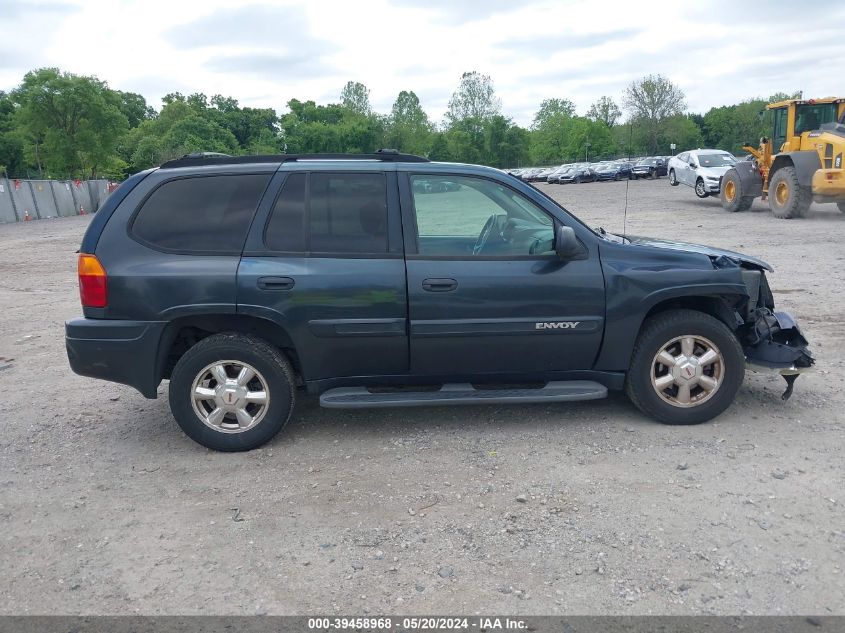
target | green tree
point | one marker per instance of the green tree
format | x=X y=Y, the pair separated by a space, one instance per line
x=550 y=142
x=408 y=127
x=605 y=110
x=71 y=125
x=196 y=134
x=312 y=128
x=11 y=145
x=552 y=112
x=356 y=97
x=505 y=144
x=650 y=101
x=475 y=99
x=134 y=107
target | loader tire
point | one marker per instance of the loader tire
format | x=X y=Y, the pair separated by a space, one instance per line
x=787 y=198
x=731 y=193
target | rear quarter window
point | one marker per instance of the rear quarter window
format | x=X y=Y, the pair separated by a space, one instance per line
x=208 y=214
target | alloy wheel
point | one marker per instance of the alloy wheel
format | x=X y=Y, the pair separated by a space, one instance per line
x=230 y=396
x=687 y=371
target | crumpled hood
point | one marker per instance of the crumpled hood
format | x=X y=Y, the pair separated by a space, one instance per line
x=703 y=250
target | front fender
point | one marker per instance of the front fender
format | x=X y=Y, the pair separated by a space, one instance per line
x=806 y=164
x=624 y=319
x=640 y=278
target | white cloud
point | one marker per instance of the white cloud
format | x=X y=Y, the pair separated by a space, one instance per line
x=266 y=53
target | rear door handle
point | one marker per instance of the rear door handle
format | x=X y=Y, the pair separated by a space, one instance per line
x=439 y=285
x=275 y=283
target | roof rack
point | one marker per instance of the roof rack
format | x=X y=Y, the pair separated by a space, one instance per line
x=196 y=159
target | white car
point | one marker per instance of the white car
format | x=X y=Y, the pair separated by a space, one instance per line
x=701 y=169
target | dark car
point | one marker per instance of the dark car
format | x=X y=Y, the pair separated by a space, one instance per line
x=250 y=281
x=578 y=174
x=613 y=171
x=653 y=167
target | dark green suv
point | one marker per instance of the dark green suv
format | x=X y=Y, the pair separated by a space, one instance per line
x=388 y=280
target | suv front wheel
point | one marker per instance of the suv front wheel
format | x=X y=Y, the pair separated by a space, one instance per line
x=686 y=368
x=232 y=392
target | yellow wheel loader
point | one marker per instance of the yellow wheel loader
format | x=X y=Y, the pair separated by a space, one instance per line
x=799 y=164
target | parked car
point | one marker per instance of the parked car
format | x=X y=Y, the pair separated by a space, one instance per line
x=249 y=281
x=578 y=174
x=653 y=167
x=556 y=176
x=543 y=174
x=613 y=171
x=701 y=169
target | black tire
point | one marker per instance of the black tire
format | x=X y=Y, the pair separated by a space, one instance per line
x=732 y=185
x=616 y=177
x=271 y=364
x=841 y=206
x=578 y=180
x=673 y=180
x=655 y=333
x=701 y=188
x=796 y=198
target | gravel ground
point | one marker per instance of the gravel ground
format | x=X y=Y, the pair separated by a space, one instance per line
x=586 y=508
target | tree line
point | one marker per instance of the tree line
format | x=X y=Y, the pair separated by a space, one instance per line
x=60 y=125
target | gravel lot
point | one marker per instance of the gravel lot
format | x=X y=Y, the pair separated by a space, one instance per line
x=107 y=508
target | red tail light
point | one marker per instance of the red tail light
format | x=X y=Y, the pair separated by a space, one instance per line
x=93 y=287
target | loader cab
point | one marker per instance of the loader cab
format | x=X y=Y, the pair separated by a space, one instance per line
x=793 y=118
x=810 y=116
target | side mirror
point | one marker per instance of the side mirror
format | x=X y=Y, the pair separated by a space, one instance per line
x=567 y=245
x=693 y=165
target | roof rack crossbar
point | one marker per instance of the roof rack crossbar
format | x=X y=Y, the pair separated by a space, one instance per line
x=209 y=158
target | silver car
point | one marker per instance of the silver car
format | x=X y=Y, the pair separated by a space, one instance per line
x=701 y=169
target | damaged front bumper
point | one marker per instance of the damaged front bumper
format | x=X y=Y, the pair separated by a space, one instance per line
x=775 y=344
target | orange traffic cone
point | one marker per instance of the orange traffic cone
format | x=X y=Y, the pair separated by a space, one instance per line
x=26 y=216
x=82 y=210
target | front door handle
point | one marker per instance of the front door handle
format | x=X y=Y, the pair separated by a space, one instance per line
x=275 y=283
x=439 y=285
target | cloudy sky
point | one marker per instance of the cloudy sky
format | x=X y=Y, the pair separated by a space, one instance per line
x=265 y=53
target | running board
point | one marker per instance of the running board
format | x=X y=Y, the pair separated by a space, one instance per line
x=461 y=393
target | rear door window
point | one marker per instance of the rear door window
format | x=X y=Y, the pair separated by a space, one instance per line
x=204 y=214
x=330 y=213
x=348 y=213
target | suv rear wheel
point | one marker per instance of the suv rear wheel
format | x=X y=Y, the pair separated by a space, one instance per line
x=232 y=392
x=686 y=367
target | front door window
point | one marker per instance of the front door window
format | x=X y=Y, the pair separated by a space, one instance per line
x=460 y=216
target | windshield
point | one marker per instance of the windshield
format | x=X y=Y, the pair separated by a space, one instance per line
x=810 y=116
x=647 y=162
x=715 y=160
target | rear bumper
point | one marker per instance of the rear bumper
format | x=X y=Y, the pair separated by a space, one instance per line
x=125 y=352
